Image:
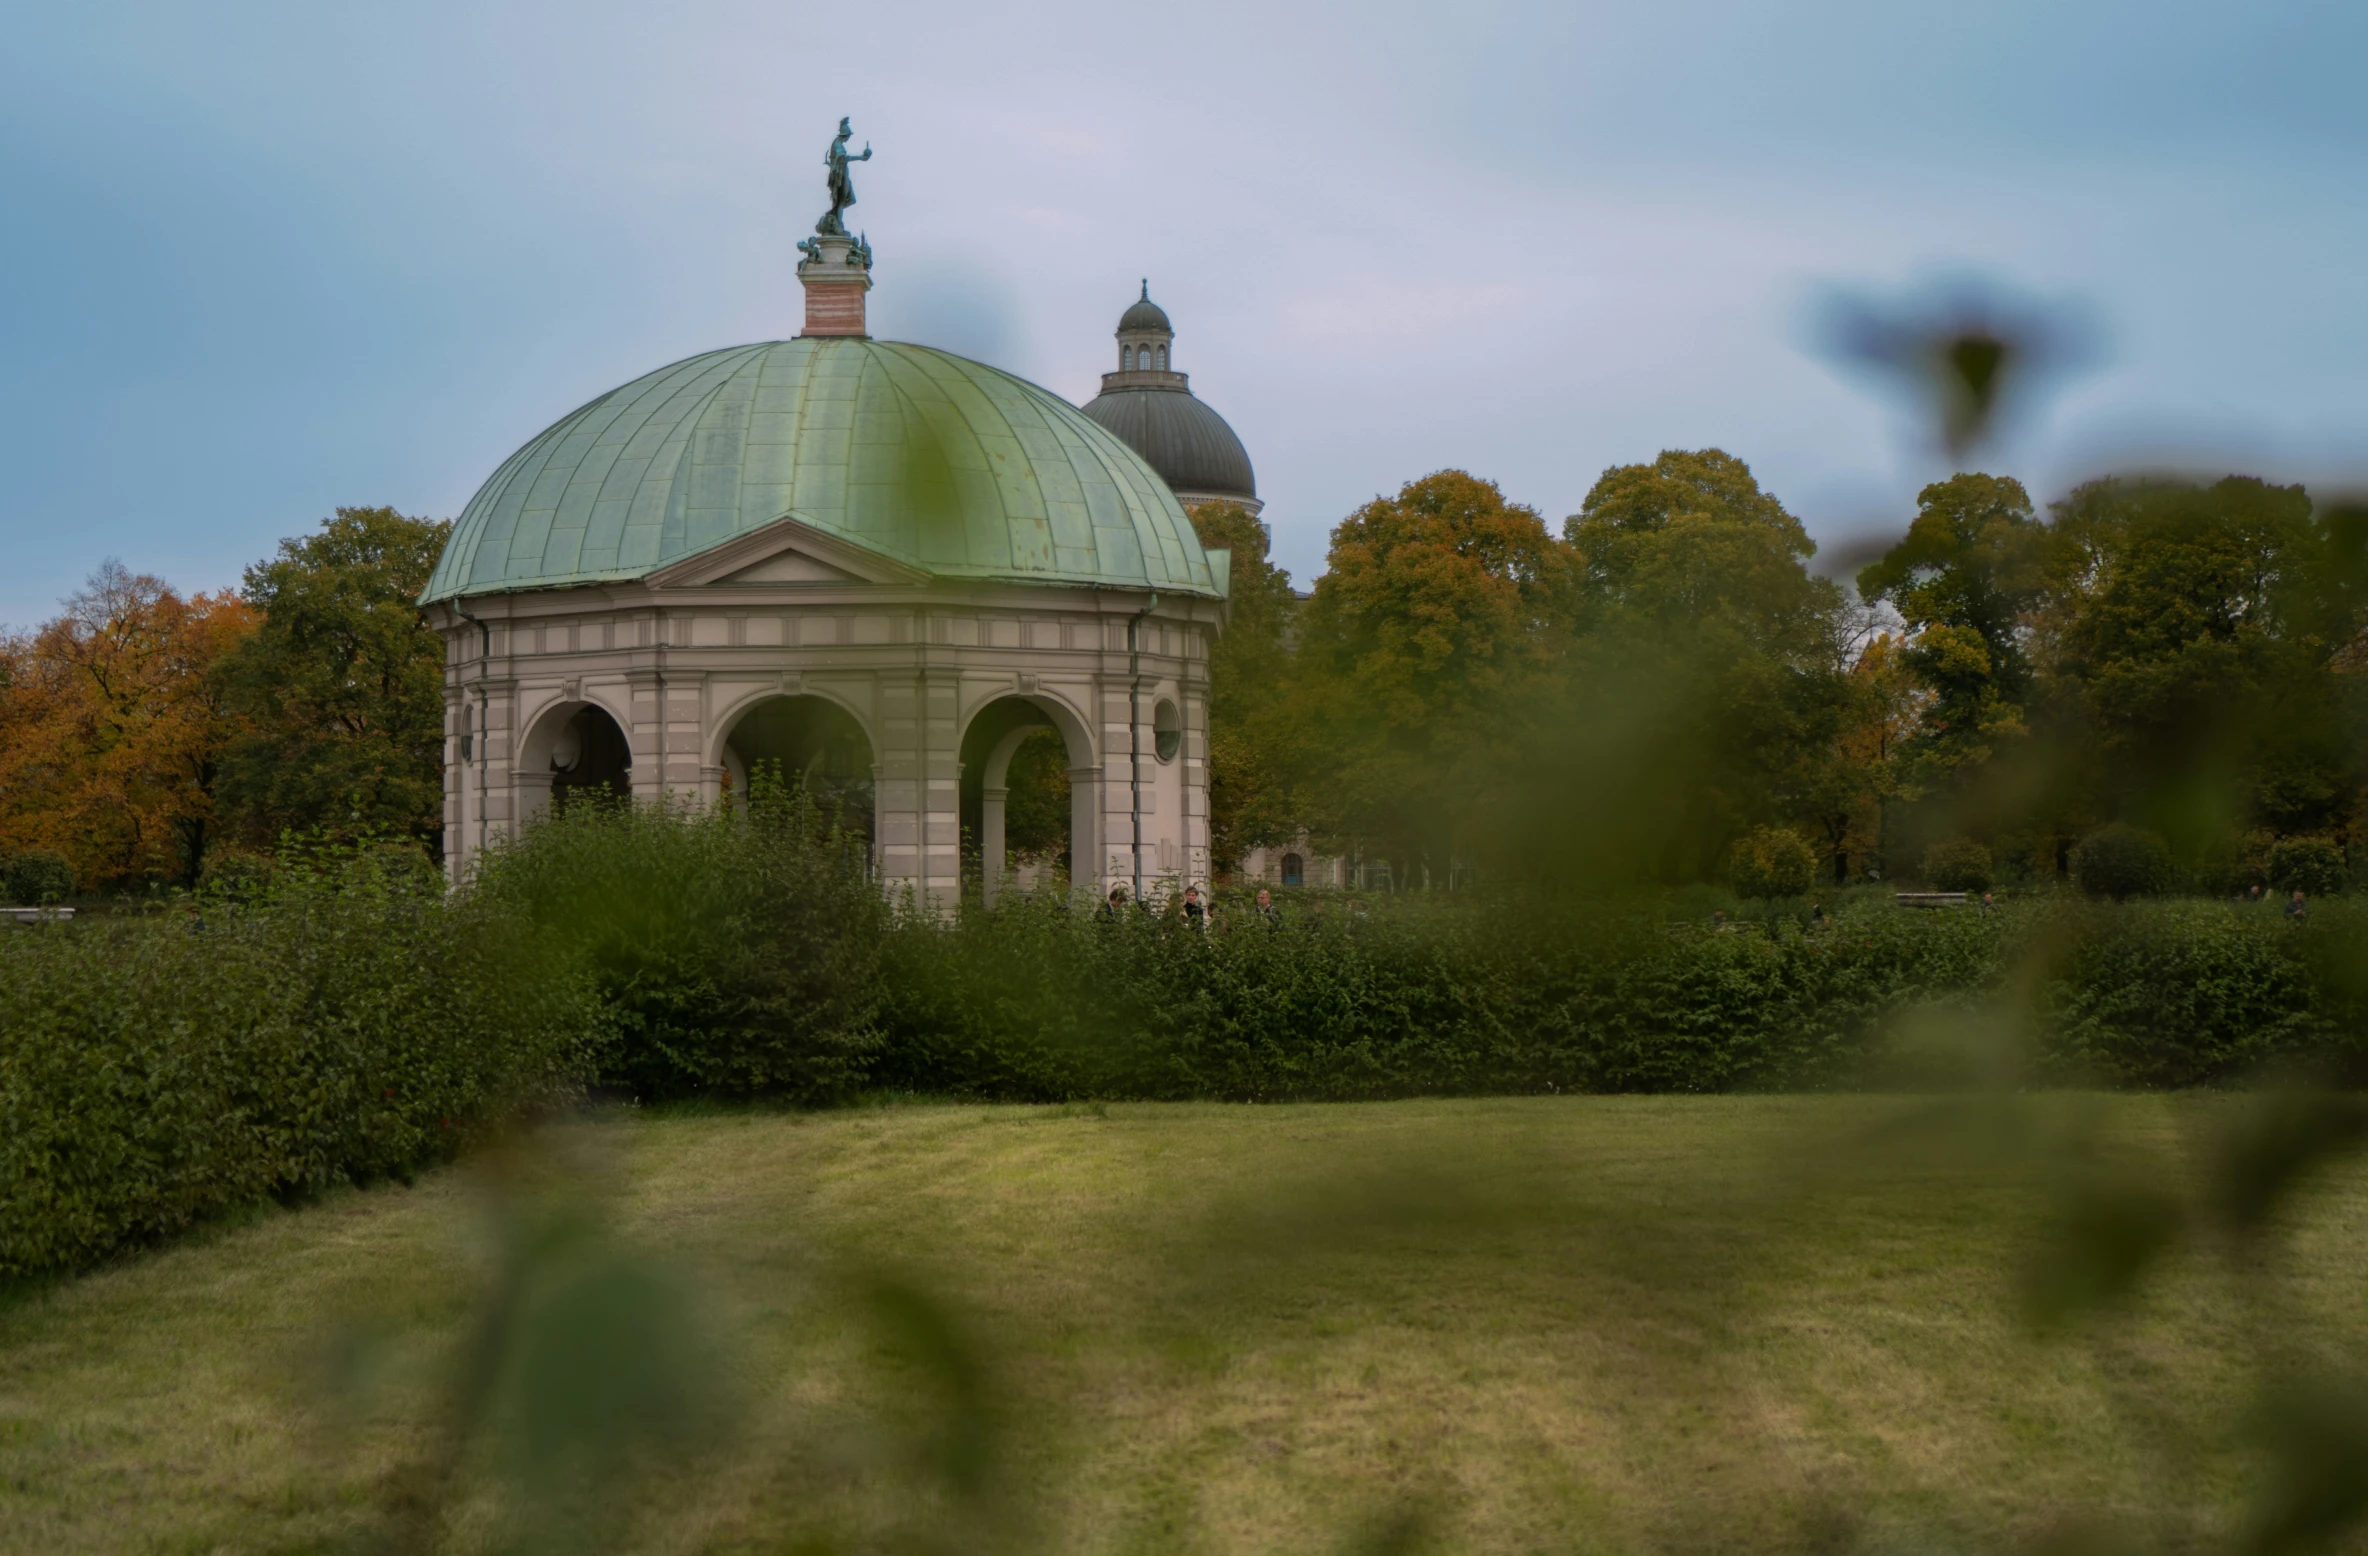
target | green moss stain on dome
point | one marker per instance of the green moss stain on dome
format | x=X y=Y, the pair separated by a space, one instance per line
x=925 y=457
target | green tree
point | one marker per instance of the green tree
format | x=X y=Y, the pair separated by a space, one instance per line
x=342 y=689
x=1441 y=614
x=1772 y=862
x=1972 y=567
x=1250 y=674
x=2197 y=646
x=1036 y=801
x=1709 y=682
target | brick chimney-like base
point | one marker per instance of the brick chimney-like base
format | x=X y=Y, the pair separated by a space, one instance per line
x=835 y=275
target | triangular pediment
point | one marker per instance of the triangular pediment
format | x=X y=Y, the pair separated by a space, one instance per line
x=790 y=566
x=789 y=551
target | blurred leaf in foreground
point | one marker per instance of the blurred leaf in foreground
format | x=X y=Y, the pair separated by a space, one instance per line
x=1964 y=352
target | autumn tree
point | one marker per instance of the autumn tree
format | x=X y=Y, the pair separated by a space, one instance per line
x=340 y=693
x=113 y=726
x=1881 y=715
x=1436 y=626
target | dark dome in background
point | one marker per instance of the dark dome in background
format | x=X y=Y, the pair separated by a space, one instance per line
x=1190 y=446
x=1151 y=408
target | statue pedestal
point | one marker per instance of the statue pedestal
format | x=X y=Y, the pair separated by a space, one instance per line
x=836 y=272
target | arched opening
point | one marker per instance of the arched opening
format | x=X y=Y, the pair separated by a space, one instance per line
x=1028 y=805
x=1294 y=870
x=1163 y=359
x=590 y=758
x=571 y=751
x=811 y=742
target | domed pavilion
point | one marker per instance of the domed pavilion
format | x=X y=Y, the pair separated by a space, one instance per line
x=881 y=566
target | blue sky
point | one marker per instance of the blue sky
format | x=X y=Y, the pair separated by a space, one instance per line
x=257 y=261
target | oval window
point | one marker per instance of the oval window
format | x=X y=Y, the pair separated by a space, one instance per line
x=1167 y=730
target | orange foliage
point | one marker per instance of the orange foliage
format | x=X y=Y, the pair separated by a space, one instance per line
x=111 y=727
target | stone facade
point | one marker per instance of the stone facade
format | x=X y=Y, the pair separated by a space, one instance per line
x=788 y=616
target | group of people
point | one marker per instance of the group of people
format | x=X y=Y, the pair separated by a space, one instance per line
x=1202 y=912
x=2297 y=905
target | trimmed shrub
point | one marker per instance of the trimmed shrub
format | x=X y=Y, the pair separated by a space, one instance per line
x=240 y=874
x=37 y=877
x=733 y=952
x=1772 y=862
x=2311 y=865
x=2177 y=994
x=1958 y=865
x=2121 y=861
x=159 y=1069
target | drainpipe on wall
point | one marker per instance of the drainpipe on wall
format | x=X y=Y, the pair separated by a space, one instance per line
x=484 y=668
x=1134 y=733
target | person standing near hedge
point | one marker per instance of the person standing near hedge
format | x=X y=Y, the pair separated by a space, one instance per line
x=2297 y=908
x=1265 y=909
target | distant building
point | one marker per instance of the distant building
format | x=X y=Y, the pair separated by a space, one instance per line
x=1152 y=407
x=1149 y=404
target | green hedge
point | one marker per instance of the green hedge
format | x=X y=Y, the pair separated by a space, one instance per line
x=351 y=1024
x=158 y=1069
x=2186 y=993
x=1034 y=1002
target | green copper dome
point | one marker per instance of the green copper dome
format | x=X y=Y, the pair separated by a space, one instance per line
x=922 y=456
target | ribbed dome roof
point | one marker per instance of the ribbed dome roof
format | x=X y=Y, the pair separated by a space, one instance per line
x=1144 y=314
x=1186 y=442
x=920 y=455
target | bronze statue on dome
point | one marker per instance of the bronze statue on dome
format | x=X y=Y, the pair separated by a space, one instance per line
x=842 y=187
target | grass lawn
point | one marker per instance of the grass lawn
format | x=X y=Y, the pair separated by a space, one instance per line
x=1588 y=1324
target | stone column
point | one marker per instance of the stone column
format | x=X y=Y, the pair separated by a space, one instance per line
x=532 y=793
x=990 y=842
x=917 y=790
x=993 y=790
x=1085 y=830
x=1126 y=758
x=645 y=733
x=941 y=794
x=497 y=749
